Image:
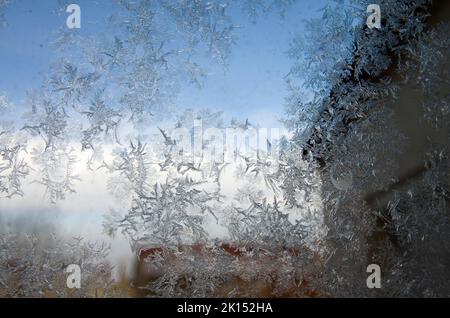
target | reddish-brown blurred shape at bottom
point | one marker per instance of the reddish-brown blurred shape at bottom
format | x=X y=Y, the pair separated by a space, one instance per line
x=245 y=271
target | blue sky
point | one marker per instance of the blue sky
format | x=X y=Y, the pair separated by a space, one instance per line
x=252 y=86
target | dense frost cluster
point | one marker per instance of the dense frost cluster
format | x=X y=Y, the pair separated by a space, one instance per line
x=355 y=136
x=34 y=265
